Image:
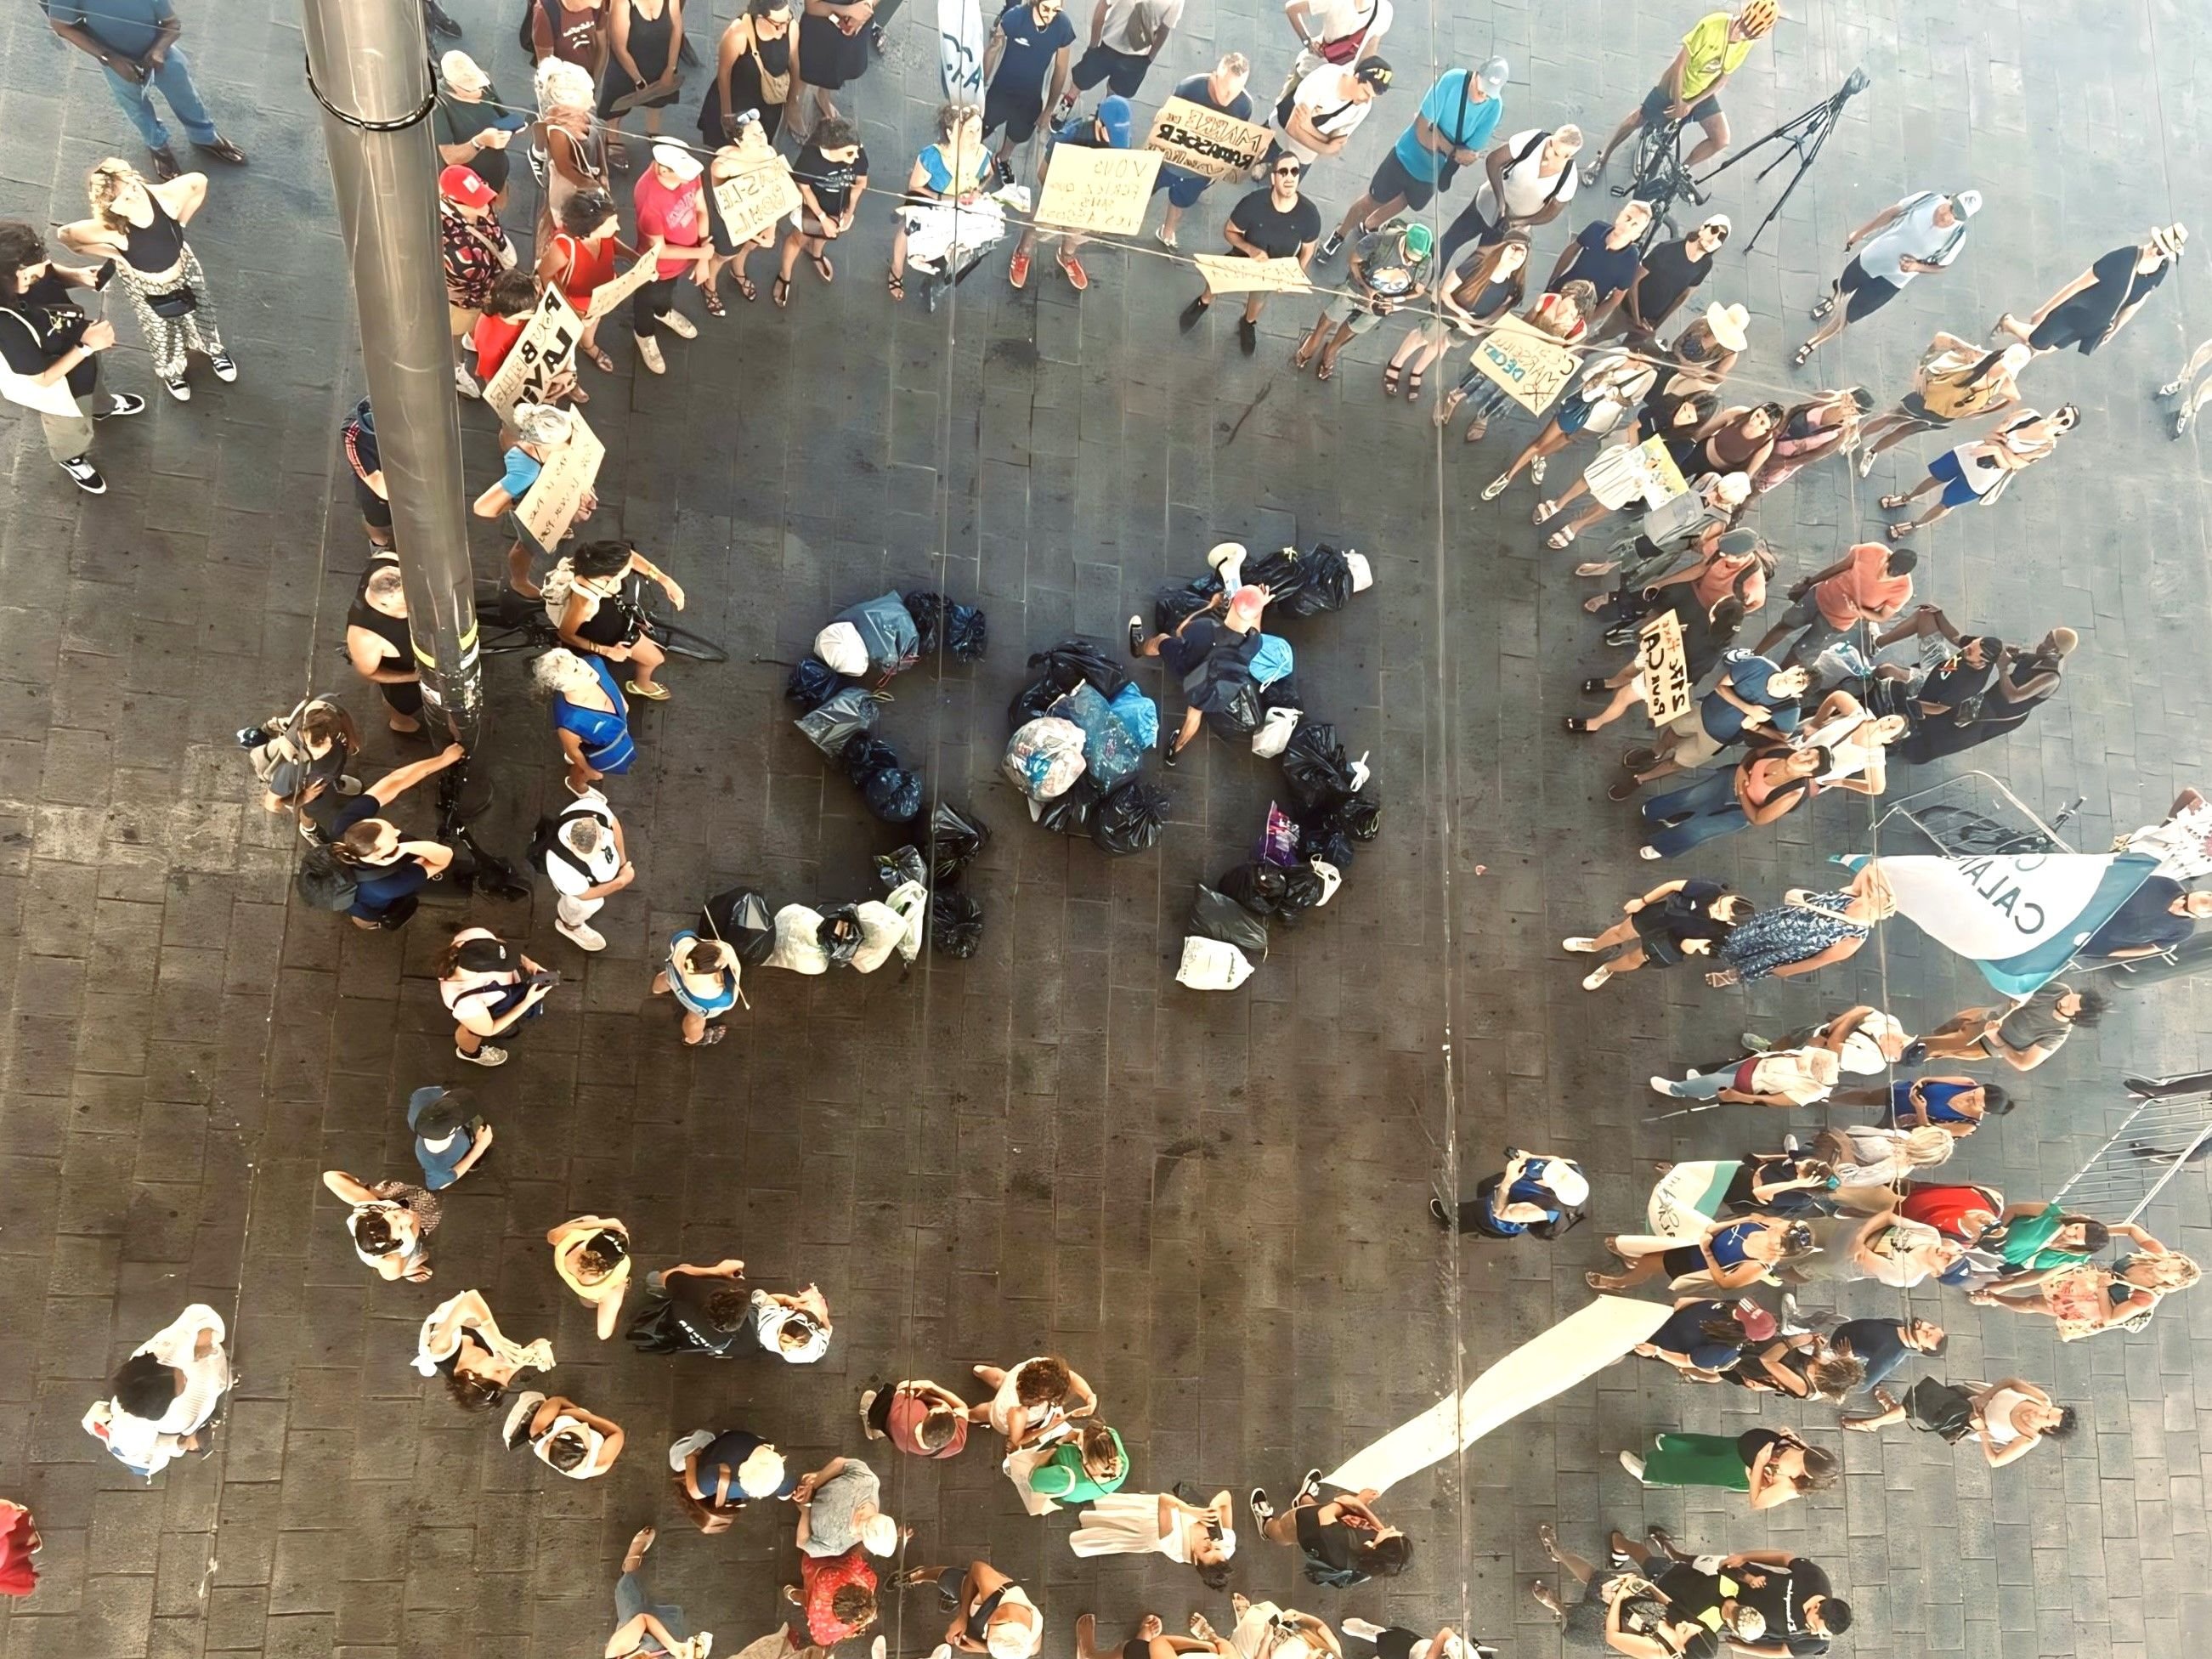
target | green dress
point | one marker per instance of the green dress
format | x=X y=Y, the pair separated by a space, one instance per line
x=2027 y=1238
x=1062 y=1478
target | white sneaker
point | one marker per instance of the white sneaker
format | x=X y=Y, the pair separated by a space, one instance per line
x=86 y=476
x=649 y=353
x=678 y=324
x=584 y=938
x=1634 y=1465
x=1663 y=1086
x=225 y=366
x=1164 y=237
x=868 y=1430
x=179 y=388
x=1595 y=977
x=1580 y=947
x=464 y=383
x=486 y=1055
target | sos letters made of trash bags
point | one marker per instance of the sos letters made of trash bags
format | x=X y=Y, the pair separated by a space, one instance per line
x=1081 y=730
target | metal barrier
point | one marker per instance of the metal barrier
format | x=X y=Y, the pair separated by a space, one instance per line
x=2169 y=1131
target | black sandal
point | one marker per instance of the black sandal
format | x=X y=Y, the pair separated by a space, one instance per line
x=1577 y=724
x=712 y=298
x=781 y=292
x=745 y=287
x=823 y=268
x=1595 y=688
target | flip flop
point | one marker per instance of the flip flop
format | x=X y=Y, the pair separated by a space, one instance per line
x=650 y=693
x=1561 y=538
x=1326 y=372
x=1597 y=566
x=780 y=293
x=1390 y=380
x=1496 y=487
x=1890 y=503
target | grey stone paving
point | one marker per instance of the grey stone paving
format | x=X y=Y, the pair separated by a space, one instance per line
x=1214 y=1207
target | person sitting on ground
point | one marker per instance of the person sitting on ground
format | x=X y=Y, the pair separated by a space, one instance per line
x=1731 y=1255
x=1200 y=1536
x=1084 y=1466
x=592 y=1255
x=165 y=1393
x=461 y=1342
x=1343 y=1540
x=643 y=1631
x=841 y=1507
x=1674 y=920
x=389 y=1224
x=561 y=1435
x=1212 y=655
x=715 y=1475
x=2010 y=1419
x=920 y=1418
x=1532 y=1194
x=1031 y=1397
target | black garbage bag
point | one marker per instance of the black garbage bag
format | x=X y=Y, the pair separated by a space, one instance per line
x=1239 y=717
x=1069 y=812
x=895 y=869
x=742 y=919
x=967 y=633
x=1324 y=840
x=956 y=924
x=1303 y=889
x=888 y=632
x=812 y=682
x=1360 y=817
x=840 y=933
x=1259 y=888
x=1281 y=693
x=1314 y=766
x=1215 y=915
x=1174 y=604
x=1076 y=660
x=894 y=794
x=1328 y=584
x=1031 y=701
x=865 y=755
x=1283 y=573
x=927 y=609
x=1132 y=818
x=834 y=725
x=955 y=838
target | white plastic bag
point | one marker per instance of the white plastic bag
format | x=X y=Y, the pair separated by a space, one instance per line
x=1359 y=772
x=1208 y=964
x=798 y=941
x=1331 y=879
x=1045 y=757
x=910 y=899
x=1362 y=574
x=1274 y=733
x=881 y=930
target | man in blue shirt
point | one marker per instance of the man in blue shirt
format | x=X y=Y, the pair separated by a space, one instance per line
x=1110 y=128
x=1029 y=49
x=1222 y=91
x=134 y=42
x=1450 y=128
x=1754 y=693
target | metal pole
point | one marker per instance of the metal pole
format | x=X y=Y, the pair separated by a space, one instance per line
x=368 y=66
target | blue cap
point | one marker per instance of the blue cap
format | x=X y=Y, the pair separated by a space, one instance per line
x=1118 y=118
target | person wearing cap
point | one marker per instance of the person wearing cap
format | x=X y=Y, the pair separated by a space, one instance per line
x=474 y=251
x=450 y=1135
x=1670 y=272
x=1449 y=130
x=1024 y=69
x=1915 y=237
x=1532 y=1193
x=1318 y=116
x=1212 y=656
x=469 y=126
x=1221 y=89
x=1527 y=181
x=1977 y=472
x=1955 y=380
x=1272 y=222
x=135 y=43
x=1126 y=37
x=1389 y=268
x=1690 y=90
x=671 y=223
x=1112 y=127
x=2099 y=303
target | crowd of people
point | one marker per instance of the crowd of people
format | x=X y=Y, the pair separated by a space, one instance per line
x=1849 y=682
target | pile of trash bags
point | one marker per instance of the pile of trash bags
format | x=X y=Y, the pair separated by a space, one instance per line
x=1081 y=732
x=802 y=939
x=1322 y=579
x=843 y=727
x=956 y=918
x=882 y=637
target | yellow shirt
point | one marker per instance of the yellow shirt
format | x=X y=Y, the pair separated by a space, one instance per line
x=1708 y=54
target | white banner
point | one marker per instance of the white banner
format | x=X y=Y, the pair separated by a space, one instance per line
x=1996 y=908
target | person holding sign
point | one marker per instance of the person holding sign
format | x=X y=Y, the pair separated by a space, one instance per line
x=1274 y=223
x=1126 y=37
x=1222 y=92
x=1754 y=695
x=1318 y=116
x=580 y=258
x=506 y=317
x=50 y=348
x=1387 y=269
x=954 y=169
x=1450 y=128
x=672 y=221
x=1707 y=631
x=1563 y=316
x=754 y=161
x=542 y=429
x=831 y=174
x=1111 y=128
x=1025 y=66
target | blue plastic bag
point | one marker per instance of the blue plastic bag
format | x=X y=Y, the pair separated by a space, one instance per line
x=1140 y=714
x=1271 y=661
x=1109 y=753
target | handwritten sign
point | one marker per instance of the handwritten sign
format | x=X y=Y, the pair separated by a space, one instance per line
x=1666 y=671
x=751 y=201
x=616 y=289
x=1621 y=473
x=550 y=505
x=1236 y=273
x=1102 y=190
x=546 y=351
x=1530 y=366
x=1207 y=142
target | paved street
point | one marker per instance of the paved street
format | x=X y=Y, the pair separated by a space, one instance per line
x=1214 y=1206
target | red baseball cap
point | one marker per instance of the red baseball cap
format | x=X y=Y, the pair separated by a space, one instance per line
x=462 y=185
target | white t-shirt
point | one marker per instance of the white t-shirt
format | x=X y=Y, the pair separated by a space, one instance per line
x=1338 y=19
x=601 y=864
x=1334 y=112
x=1134 y=27
x=1527 y=190
x=1914 y=235
x=1997 y=1416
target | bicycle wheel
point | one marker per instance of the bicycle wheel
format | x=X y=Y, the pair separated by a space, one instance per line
x=682 y=642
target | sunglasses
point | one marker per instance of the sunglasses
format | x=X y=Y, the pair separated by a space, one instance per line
x=1287 y=173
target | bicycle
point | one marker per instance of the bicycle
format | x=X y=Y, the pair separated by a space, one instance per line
x=1659 y=177
x=508 y=623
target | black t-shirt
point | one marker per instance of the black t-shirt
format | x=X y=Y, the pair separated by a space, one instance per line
x=1669 y=274
x=1331 y=1543
x=38 y=328
x=688 y=1296
x=1608 y=270
x=831 y=181
x=1782 y=1598
x=1687 y=914
x=459 y=121
x=2146 y=919
x=333 y=814
x=1277 y=234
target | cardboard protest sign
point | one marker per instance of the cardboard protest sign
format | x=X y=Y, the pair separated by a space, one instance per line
x=1666 y=671
x=1207 y=142
x=1664 y=479
x=1235 y=273
x=550 y=505
x=1102 y=190
x=615 y=291
x=1530 y=366
x=755 y=199
x=546 y=351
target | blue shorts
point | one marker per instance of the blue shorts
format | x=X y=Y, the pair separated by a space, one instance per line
x=1572 y=414
x=1957 y=492
x=1183 y=188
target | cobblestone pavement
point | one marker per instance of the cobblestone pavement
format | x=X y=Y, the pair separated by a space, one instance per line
x=1214 y=1206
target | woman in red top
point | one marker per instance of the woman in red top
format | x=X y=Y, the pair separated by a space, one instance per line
x=580 y=257
x=1956 y=1211
x=836 y=1595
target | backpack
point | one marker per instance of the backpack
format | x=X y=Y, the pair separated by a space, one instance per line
x=1319 y=1571
x=545 y=843
x=282 y=761
x=1940 y=1409
x=326 y=881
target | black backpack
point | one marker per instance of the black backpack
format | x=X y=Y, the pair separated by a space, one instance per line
x=326 y=881
x=1940 y=1409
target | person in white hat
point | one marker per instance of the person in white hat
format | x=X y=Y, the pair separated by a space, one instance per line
x=1709 y=347
x=1915 y=237
x=671 y=212
x=2099 y=303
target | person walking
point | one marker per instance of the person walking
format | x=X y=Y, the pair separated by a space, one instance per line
x=752 y=71
x=1919 y=236
x=1272 y=222
x=389 y=1224
x=1758 y=789
x=1674 y=920
x=1528 y=179
x=1449 y=132
x=1806 y=932
x=1389 y=268
x=135 y=43
x=140 y=228
x=2099 y=303
x=701 y=974
x=1783 y=1077
x=585 y=856
x=920 y=1418
x=2025 y=1036
x=590 y=1253
x=590 y=717
x=489 y=987
x=1770 y=1466
x=1870 y=583
x=1690 y=90
x=1543 y=1195
x=1222 y=89
x=645 y=1629
x=450 y=1136
x=1955 y=380
x=165 y=1393
x=672 y=221
x=476 y=252
x=51 y=348
x=1977 y=470
x=1025 y=71
x=644 y=40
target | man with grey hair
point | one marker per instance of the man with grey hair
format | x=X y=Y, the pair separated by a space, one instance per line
x=1915 y=237
x=1449 y=130
x=1222 y=91
x=584 y=855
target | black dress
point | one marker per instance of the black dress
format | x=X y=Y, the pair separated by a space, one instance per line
x=745 y=90
x=828 y=57
x=401 y=696
x=652 y=48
